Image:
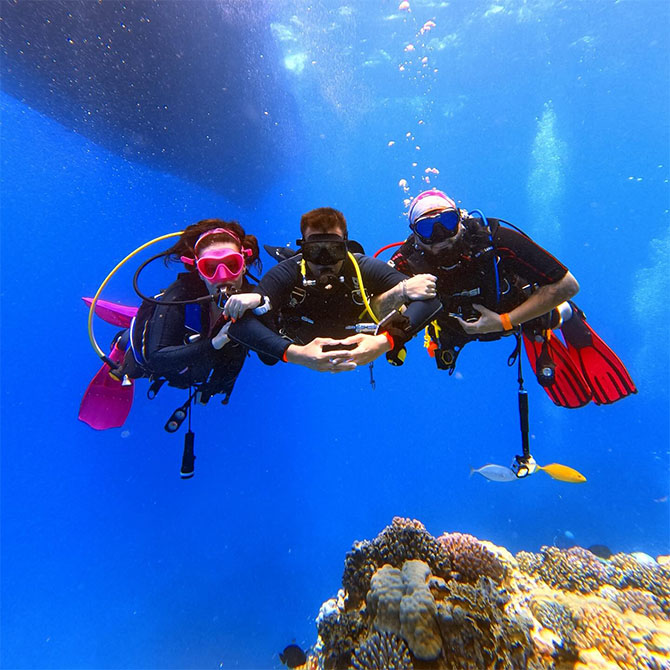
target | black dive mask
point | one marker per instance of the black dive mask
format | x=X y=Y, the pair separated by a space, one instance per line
x=323 y=249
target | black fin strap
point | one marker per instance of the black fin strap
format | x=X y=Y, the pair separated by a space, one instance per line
x=155 y=387
x=516 y=353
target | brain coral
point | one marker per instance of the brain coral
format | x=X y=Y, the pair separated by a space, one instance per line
x=402 y=541
x=470 y=559
x=383 y=599
x=400 y=602
x=383 y=651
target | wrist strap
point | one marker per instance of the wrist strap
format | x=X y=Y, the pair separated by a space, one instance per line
x=506 y=322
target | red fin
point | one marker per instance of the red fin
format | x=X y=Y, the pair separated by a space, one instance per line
x=569 y=389
x=606 y=374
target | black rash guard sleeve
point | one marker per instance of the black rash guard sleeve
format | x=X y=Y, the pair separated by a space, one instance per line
x=165 y=347
x=524 y=258
x=253 y=332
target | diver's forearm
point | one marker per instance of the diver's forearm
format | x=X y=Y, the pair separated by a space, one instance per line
x=544 y=300
x=389 y=300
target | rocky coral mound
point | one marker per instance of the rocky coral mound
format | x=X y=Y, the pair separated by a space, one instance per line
x=411 y=601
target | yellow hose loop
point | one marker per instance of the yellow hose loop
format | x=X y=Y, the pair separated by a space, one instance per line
x=91 y=311
x=361 y=287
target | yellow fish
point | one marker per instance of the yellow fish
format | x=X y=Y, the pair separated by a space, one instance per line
x=563 y=473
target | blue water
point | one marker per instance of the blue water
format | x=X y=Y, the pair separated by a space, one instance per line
x=553 y=115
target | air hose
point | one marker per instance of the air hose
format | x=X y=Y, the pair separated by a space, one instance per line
x=91 y=311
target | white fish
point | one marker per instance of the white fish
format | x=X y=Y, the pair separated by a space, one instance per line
x=496 y=473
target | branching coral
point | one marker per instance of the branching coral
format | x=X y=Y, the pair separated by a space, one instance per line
x=574 y=569
x=634 y=600
x=340 y=634
x=479 y=632
x=383 y=651
x=470 y=559
x=626 y=571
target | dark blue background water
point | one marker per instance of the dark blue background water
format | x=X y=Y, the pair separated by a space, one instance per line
x=552 y=115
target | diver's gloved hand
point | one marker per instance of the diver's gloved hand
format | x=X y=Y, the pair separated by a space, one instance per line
x=313 y=356
x=239 y=303
x=221 y=338
x=420 y=287
x=488 y=322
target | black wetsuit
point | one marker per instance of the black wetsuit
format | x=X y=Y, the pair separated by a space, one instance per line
x=299 y=314
x=162 y=334
x=466 y=274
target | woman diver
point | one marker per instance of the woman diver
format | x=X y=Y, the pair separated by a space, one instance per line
x=181 y=335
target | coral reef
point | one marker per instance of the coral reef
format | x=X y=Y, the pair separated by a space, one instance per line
x=403 y=540
x=400 y=602
x=339 y=637
x=383 y=651
x=411 y=601
x=470 y=559
x=577 y=569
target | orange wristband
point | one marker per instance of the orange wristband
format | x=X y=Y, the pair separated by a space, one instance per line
x=387 y=335
x=284 y=355
x=506 y=322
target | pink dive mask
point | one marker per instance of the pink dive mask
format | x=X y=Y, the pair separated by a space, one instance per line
x=219 y=265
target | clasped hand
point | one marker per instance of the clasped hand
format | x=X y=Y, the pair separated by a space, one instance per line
x=365 y=348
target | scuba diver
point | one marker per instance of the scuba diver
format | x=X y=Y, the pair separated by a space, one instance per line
x=180 y=337
x=317 y=300
x=493 y=280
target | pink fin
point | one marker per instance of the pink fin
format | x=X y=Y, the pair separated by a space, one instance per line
x=106 y=403
x=117 y=315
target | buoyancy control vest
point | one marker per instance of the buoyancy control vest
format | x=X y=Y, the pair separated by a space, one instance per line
x=317 y=312
x=467 y=273
x=213 y=371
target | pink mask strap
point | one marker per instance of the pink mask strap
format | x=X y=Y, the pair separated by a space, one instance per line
x=216 y=231
x=187 y=261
